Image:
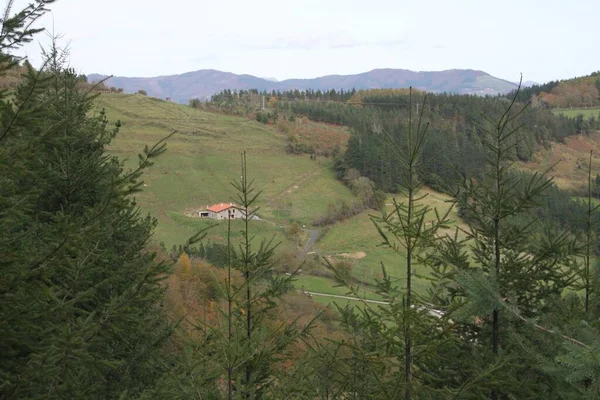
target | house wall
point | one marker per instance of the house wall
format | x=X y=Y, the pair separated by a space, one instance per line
x=237 y=214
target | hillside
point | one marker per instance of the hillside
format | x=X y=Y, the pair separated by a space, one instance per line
x=568 y=161
x=204 y=83
x=580 y=91
x=203 y=157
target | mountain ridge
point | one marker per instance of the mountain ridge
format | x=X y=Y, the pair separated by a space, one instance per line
x=206 y=82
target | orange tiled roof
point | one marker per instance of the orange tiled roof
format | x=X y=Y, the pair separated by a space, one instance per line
x=219 y=207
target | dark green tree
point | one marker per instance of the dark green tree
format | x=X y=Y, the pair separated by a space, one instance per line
x=396 y=348
x=79 y=290
x=504 y=261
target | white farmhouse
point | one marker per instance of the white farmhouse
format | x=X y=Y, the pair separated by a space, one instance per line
x=222 y=211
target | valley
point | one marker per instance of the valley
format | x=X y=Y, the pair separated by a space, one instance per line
x=203 y=157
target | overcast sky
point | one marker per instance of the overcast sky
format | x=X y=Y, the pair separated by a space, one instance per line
x=543 y=39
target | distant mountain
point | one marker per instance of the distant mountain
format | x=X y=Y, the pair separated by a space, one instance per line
x=527 y=84
x=204 y=83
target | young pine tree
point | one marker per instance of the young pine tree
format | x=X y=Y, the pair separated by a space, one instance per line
x=238 y=356
x=396 y=347
x=504 y=275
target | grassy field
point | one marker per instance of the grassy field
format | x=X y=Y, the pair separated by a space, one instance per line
x=356 y=240
x=574 y=112
x=203 y=157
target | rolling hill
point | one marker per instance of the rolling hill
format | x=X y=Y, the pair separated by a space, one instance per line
x=204 y=83
x=203 y=157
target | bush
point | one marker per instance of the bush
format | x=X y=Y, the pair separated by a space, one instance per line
x=195 y=103
x=293 y=230
x=142 y=92
x=339 y=213
x=287 y=258
x=284 y=127
x=344 y=270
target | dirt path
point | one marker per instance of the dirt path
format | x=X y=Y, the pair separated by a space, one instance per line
x=345 y=297
x=314 y=235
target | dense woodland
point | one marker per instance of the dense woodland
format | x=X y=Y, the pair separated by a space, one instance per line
x=86 y=300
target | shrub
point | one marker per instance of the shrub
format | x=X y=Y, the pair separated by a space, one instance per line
x=344 y=270
x=339 y=213
x=284 y=127
x=293 y=230
x=142 y=92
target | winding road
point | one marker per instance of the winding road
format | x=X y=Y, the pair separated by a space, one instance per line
x=345 y=297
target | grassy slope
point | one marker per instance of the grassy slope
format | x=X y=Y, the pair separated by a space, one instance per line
x=204 y=157
x=358 y=234
x=574 y=112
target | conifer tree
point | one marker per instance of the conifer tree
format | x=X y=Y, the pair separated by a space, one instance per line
x=79 y=289
x=574 y=363
x=239 y=355
x=406 y=230
x=505 y=269
x=384 y=338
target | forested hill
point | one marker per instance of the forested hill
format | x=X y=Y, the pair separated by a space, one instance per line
x=204 y=83
x=457 y=141
x=576 y=92
x=456 y=126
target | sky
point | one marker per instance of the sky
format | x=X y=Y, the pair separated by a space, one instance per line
x=544 y=40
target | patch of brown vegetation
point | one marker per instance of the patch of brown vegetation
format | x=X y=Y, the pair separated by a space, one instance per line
x=357 y=255
x=194 y=292
x=12 y=77
x=323 y=138
x=568 y=161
